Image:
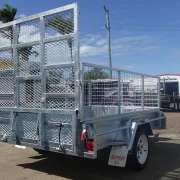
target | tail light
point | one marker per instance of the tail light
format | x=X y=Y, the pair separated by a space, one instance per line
x=89 y=145
x=87 y=136
x=169 y=99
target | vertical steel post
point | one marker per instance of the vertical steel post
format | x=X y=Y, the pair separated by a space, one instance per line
x=15 y=63
x=82 y=89
x=43 y=84
x=159 y=93
x=14 y=123
x=142 y=93
x=75 y=122
x=42 y=56
x=119 y=92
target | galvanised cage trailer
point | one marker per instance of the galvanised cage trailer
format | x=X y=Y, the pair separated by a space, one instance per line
x=51 y=101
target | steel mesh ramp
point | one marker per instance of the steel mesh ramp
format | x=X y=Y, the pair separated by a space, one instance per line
x=39 y=63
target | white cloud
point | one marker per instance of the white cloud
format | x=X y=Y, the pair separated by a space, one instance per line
x=101 y=42
x=20 y=16
x=97 y=45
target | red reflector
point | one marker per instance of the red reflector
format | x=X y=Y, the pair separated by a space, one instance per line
x=90 y=145
x=169 y=99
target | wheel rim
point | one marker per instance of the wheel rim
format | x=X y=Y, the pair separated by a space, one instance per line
x=142 y=149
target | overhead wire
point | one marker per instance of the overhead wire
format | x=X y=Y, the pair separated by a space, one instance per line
x=153 y=4
x=143 y=11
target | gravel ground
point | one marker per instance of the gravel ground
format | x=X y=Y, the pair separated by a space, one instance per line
x=173 y=124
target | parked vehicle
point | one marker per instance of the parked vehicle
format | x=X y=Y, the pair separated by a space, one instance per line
x=60 y=108
x=167 y=101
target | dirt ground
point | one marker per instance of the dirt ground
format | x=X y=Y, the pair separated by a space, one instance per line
x=164 y=162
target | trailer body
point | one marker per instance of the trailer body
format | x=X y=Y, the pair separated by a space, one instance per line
x=51 y=101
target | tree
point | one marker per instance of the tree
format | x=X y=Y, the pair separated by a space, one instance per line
x=8 y=13
x=63 y=26
x=95 y=73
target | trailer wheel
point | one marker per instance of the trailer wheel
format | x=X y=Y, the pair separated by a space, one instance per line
x=140 y=154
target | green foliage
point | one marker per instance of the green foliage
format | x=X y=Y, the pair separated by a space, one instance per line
x=95 y=73
x=8 y=13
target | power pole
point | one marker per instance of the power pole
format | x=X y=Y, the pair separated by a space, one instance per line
x=107 y=25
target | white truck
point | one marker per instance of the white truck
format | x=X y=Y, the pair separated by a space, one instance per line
x=51 y=101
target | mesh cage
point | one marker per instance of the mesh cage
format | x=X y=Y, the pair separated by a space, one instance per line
x=27 y=125
x=30 y=94
x=29 y=61
x=59 y=24
x=6 y=60
x=108 y=91
x=60 y=80
x=28 y=31
x=4 y=123
x=6 y=36
x=52 y=133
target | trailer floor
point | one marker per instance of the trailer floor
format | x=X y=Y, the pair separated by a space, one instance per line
x=18 y=164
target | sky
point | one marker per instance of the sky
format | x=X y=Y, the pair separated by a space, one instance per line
x=144 y=34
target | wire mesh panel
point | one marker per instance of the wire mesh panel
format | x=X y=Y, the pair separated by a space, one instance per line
x=150 y=92
x=27 y=126
x=59 y=52
x=52 y=133
x=60 y=103
x=60 y=80
x=59 y=24
x=6 y=90
x=6 y=60
x=100 y=91
x=5 y=123
x=28 y=31
x=29 y=61
x=6 y=36
x=7 y=83
x=131 y=92
x=30 y=94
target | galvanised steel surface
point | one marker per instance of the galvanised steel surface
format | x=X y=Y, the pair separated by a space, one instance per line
x=39 y=67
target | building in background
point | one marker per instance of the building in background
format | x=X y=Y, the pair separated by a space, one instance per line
x=170 y=84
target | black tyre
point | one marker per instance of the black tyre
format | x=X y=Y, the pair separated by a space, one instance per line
x=40 y=151
x=138 y=159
